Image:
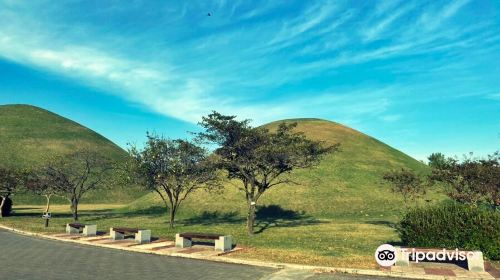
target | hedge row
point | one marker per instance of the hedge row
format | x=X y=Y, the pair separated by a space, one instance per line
x=453 y=226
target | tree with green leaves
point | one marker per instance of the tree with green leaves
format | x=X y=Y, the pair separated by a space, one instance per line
x=10 y=182
x=173 y=169
x=439 y=161
x=75 y=174
x=472 y=180
x=407 y=183
x=258 y=158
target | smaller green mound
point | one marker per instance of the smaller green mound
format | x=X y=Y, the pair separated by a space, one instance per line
x=29 y=135
x=347 y=184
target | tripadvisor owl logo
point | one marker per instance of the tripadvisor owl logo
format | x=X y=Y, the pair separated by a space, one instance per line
x=385 y=255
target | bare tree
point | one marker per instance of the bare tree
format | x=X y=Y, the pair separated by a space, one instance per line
x=39 y=183
x=75 y=174
x=173 y=169
x=406 y=183
x=258 y=158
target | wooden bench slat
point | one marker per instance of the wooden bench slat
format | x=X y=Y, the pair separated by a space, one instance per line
x=124 y=230
x=198 y=235
x=77 y=225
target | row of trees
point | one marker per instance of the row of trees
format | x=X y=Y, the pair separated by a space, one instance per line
x=70 y=176
x=256 y=158
x=471 y=181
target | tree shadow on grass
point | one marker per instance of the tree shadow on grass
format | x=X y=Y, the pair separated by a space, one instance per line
x=81 y=213
x=97 y=214
x=383 y=223
x=214 y=217
x=389 y=224
x=275 y=216
x=153 y=211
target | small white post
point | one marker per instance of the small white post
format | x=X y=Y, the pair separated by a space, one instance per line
x=224 y=243
x=475 y=261
x=182 y=242
x=402 y=257
x=72 y=230
x=90 y=230
x=116 y=235
x=143 y=236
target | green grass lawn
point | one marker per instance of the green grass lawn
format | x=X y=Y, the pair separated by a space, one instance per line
x=347 y=242
x=337 y=214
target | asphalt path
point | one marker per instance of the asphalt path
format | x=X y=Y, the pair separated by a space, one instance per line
x=31 y=258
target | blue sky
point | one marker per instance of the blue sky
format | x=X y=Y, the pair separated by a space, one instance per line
x=422 y=77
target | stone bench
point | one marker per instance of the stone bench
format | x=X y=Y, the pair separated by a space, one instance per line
x=140 y=235
x=76 y=228
x=222 y=242
x=475 y=261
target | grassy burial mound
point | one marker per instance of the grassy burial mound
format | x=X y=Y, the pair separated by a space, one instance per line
x=336 y=214
x=345 y=184
x=29 y=135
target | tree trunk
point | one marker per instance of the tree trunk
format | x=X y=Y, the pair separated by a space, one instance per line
x=5 y=204
x=250 y=217
x=47 y=207
x=172 y=216
x=2 y=203
x=74 y=209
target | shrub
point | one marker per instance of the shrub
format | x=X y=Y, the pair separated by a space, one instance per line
x=453 y=226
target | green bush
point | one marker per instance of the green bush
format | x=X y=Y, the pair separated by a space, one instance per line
x=453 y=226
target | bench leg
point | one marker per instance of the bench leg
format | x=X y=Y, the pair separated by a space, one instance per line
x=72 y=230
x=224 y=243
x=116 y=235
x=402 y=258
x=182 y=242
x=90 y=230
x=143 y=236
x=475 y=261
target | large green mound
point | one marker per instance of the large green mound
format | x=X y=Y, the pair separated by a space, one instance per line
x=29 y=135
x=345 y=184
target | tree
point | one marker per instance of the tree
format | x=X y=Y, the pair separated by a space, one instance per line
x=471 y=180
x=38 y=182
x=258 y=158
x=491 y=175
x=439 y=161
x=10 y=181
x=75 y=174
x=406 y=183
x=173 y=169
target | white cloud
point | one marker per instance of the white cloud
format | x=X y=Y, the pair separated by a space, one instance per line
x=390 y=118
x=376 y=29
x=231 y=68
x=432 y=21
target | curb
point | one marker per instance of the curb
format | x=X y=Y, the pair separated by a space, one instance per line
x=223 y=259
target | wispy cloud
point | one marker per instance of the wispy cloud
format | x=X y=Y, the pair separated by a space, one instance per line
x=246 y=59
x=377 y=28
x=432 y=21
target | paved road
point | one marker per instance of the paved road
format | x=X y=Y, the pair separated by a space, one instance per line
x=29 y=258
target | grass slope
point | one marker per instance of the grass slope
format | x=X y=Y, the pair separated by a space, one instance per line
x=344 y=184
x=337 y=215
x=28 y=135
